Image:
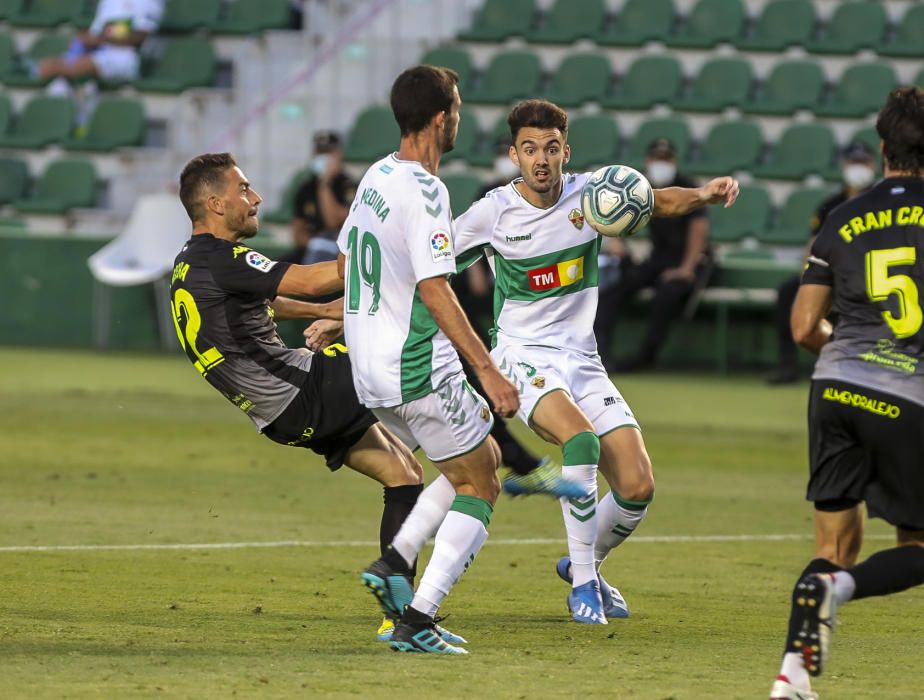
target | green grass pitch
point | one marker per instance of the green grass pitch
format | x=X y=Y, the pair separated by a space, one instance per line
x=138 y=452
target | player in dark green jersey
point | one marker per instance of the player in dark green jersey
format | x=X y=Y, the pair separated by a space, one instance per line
x=866 y=410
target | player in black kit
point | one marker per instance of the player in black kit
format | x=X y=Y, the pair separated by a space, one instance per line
x=224 y=297
x=866 y=409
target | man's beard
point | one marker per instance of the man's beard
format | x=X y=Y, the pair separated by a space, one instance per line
x=448 y=140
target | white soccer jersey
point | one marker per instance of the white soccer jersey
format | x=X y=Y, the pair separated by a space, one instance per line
x=398 y=233
x=544 y=262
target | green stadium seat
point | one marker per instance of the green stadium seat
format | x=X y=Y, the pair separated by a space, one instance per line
x=65 y=184
x=906 y=43
x=374 y=134
x=638 y=22
x=44 y=121
x=736 y=255
x=466 y=139
x=721 y=83
x=650 y=80
x=861 y=90
x=673 y=128
x=282 y=214
x=855 y=25
x=793 y=224
x=791 y=85
x=803 y=149
x=729 y=146
x=44 y=46
x=749 y=217
x=7 y=56
x=464 y=189
x=6 y=113
x=44 y=13
x=782 y=23
x=594 y=142
x=570 y=20
x=186 y=16
x=187 y=62
x=510 y=76
x=485 y=155
x=10 y=8
x=500 y=19
x=117 y=122
x=711 y=22
x=14 y=179
x=454 y=57
x=580 y=78
x=252 y=16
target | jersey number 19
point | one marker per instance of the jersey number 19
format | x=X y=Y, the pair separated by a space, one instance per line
x=365 y=268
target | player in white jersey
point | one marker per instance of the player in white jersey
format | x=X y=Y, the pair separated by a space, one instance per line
x=401 y=321
x=544 y=258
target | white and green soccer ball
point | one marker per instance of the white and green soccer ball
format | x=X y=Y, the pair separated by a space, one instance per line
x=617 y=200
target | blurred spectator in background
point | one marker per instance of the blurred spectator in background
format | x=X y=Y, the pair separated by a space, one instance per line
x=858 y=170
x=321 y=204
x=679 y=261
x=109 y=49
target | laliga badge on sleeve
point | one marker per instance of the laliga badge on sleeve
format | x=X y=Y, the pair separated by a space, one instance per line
x=259 y=262
x=440 y=246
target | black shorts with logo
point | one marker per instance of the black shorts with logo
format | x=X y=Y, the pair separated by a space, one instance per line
x=325 y=416
x=866 y=445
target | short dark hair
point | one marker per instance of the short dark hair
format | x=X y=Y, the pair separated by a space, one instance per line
x=539 y=114
x=202 y=172
x=901 y=127
x=419 y=94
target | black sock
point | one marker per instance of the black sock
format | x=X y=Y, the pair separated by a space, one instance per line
x=816 y=566
x=889 y=571
x=399 y=500
x=513 y=454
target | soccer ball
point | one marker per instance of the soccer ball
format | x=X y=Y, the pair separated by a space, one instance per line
x=617 y=200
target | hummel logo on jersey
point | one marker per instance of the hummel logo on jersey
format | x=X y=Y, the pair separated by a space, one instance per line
x=517 y=239
x=609 y=400
x=560 y=275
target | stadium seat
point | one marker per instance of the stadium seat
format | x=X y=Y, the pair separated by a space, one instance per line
x=43 y=121
x=467 y=138
x=6 y=113
x=44 y=46
x=65 y=184
x=14 y=178
x=251 y=16
x=374 y=134
x=570 y=20
x=793 y=222
x=117 y=122
x=44 y=13
x=782 y=23
x=580 y=78
x=749 y=217
x=721 y=83
x=803 y=149
x=454 y=57
x=185 y=16
x=594 y=141
x=9 y=8
x=499 y=19
x=638 y=22
x=650 y=80
x=906 y=43
x=672 y=128
x=464 y=189
x=486 y=153
x=282 y=214
x=186 y=62
x=861 y=90
x=856 y=25
x=729 y=146
x=711 y=22
x=511 y=75
x=791 y=85
x=7 y=56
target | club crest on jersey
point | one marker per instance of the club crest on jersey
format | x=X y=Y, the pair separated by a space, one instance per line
x=259 y=261
x=561 y=275
x=576 y=218
x=539 y=382
x=440 y=246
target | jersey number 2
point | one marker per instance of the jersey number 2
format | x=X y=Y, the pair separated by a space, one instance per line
x=365 y=268
x=880 y=285
x=187 y=320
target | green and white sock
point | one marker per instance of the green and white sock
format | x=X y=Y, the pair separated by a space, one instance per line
x=617 y=518
x=459 y=539
x=580 y=456
x=424 y=519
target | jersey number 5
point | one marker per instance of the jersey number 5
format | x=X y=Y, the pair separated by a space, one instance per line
x=880 y=285
x=365 y=268
x=187 y=320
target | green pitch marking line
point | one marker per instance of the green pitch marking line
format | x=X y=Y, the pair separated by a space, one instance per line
x=648 y=539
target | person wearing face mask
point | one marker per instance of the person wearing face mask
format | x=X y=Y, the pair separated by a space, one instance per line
x=858 y=170
x=679 y=260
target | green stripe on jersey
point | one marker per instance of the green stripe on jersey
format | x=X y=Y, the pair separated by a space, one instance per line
x=417 y=353
x=529 y=279
x=469 y=257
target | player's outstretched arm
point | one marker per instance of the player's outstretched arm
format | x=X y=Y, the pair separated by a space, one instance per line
x=677 y=201
x=809 y=327
x=311 y=280
x=285 y=308
x=438 y=297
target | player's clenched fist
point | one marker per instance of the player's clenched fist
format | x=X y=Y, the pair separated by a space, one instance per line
x=501 y=392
